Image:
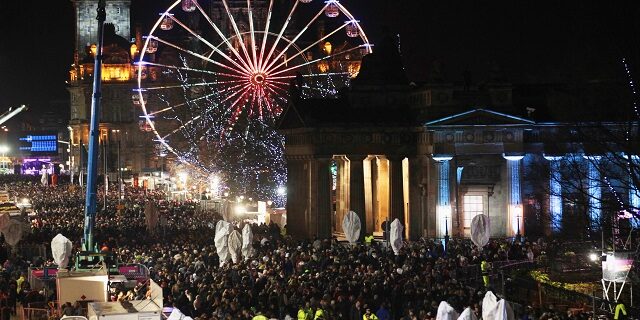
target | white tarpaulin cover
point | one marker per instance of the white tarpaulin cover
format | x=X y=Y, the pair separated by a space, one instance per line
x=489 y=304
x=13 y=232
x=235 y=245
x=61 y=250
x=247 y=242
x=494 y=309
x=220 y=240
x=504 y=311
x=395 y=235
x=351 y=226
x=177 y=315
x=467 y=314
x=5 y=218
x=446 y=312
x=480 y=230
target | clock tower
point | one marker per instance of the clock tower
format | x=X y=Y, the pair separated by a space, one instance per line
x=118 y=14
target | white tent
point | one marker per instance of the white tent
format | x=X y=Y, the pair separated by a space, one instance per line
x=247 y=242
x=351 y=226
x=235 y=245
x=446 y=312
x=480 y=230
x=61 y=250
x=220 y=240
x=396 y=235
x=467 y=314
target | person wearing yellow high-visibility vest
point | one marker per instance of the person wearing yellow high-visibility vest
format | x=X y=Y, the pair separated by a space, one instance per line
x=484 y=268
x=368 y=239
x=259 y=316
x=305 y=313
x=319 y=314
x=368 y=315
x=620 y=308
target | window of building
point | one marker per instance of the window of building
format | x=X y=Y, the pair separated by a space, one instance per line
x=473 y=205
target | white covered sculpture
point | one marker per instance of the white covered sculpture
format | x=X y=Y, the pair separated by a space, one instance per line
x=351 y=226
x=395 y=236
x=235 y=245
x=221 y=240
x=61 y=250
x=247 y=242
x=480 y=230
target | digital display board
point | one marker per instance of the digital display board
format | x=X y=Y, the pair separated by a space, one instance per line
x=39 y=143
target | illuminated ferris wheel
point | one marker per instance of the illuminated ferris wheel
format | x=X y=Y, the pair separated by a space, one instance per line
x=209 y=71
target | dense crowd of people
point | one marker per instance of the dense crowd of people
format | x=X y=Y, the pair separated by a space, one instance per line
x=283 y=279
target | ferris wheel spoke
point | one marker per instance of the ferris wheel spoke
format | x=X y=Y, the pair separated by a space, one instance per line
x=270 y=81
x=197 y=55
x=145 y=63
x=189 y=85
x=233 y=94
x=235 y=28
x=209 y=44
x=284 y=27
x=295 y=38
x=182 y=126
x=253 y=35
x=221 y=34
x=265 y=35
x=328 y=74
x=181 y=104
x=316 y=60
x=284 y=63
x=235 y=108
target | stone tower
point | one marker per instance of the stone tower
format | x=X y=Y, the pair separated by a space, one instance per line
x=118 y=14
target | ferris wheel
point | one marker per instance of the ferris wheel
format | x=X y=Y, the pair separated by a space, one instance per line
x=212 y=71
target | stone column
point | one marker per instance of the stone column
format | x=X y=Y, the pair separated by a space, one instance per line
x=515 y=219
x=594 y=190
x=396 y=189
x=444 y=215
x=555 y=194
x=342 y=191
x=321 y=207
x=417 y=190
x=356 y=188
x=297 y=195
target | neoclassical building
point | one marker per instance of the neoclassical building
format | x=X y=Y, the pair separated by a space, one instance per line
x=434 y=155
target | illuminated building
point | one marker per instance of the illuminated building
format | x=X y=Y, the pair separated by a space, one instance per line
x=119 y=121
x=436 y=154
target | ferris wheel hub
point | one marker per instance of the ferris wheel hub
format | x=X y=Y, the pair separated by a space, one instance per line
x=258 y=79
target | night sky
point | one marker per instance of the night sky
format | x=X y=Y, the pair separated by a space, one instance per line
x=531 y=41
